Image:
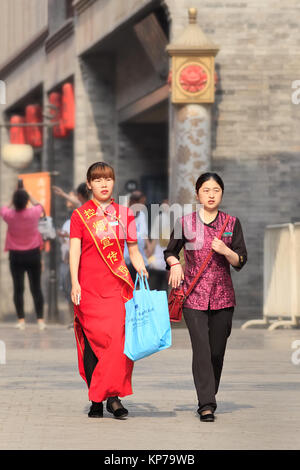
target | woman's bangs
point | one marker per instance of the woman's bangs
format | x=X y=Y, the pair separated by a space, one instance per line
x=102 y=171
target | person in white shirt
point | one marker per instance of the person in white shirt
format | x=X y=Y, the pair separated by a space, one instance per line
x=136 y=202
x=160 y=235
x=64 y=269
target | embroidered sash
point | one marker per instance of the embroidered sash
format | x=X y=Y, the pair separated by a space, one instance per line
x=108 y=246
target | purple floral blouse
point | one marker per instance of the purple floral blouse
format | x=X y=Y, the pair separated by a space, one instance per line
x=214 y=289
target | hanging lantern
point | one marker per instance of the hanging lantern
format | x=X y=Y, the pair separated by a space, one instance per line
x=34 y=134
x=68 y=106
x=17 y=133
x=59 y=131
x=17 y=156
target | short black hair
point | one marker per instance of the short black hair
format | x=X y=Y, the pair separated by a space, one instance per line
x=83 y=190
x=20 y=199
x=208 y=176
x=136 y=196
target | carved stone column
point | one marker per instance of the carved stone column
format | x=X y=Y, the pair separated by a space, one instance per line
x=191 y=150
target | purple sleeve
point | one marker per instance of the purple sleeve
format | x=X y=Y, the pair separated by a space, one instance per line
x=238 y=245
x=175 y=244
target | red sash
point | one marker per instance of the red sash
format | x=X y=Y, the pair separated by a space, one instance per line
x=108 y=246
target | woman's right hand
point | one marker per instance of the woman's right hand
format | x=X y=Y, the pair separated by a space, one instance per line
x=176 y=275
x=76 y=293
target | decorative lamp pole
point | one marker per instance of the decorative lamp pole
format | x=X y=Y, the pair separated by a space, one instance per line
x=192 y=79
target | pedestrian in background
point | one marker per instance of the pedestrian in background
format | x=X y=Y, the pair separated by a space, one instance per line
x=73 y=199
x=64 y=271
x=137 y=200
x=160 y=235
x=82 y=194
x=208 y=310
x=24 y=242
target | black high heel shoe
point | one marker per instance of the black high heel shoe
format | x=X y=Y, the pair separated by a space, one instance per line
x=114 y=406
x=207 y=418
x=96 y=410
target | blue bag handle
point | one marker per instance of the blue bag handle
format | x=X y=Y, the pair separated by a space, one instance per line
x=147 y=285
x=141 y=282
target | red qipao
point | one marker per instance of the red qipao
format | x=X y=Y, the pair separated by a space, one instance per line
x=105 y=287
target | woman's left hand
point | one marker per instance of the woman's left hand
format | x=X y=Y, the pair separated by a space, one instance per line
x=143 y=272
x=219 y=246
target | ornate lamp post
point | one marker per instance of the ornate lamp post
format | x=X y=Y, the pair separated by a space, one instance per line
x=192 y=94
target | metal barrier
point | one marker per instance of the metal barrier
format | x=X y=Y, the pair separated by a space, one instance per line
x=281 y=293
x=2 y=353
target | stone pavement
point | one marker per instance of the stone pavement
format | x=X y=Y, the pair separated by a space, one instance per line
x=44 y=404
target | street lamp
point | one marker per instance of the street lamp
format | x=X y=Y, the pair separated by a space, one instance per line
x=192 y=94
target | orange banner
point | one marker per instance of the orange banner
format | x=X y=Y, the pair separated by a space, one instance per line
x=38 y=185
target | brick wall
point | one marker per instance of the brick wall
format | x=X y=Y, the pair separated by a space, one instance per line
x=95 y=114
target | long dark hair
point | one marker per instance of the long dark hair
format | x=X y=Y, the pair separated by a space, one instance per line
x=20 y=199
x=208 y=176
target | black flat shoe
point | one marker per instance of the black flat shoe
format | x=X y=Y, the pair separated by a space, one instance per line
x=207 y=418
x=96 y=410
x=114 y=406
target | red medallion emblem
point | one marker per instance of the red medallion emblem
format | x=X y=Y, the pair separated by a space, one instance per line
x=193 y=78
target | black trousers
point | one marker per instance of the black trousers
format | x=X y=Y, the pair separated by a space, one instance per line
x=90 y=360
x=209 y=330
x=157 y=279
x=21 y=262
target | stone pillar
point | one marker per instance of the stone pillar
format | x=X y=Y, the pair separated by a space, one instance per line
x=191 y=150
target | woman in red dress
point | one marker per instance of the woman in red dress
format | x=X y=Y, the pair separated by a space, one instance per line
x=101 y=284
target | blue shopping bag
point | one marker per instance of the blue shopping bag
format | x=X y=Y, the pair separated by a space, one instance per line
x=147 y=324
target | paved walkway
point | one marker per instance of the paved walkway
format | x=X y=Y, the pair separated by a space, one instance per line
x=44 y=404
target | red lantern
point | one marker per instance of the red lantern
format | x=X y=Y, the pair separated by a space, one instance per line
x=34 y=134
x=68 y=106
x=17 y=134
x=59 y=130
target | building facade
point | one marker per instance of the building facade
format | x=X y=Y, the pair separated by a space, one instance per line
x=114 y=54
